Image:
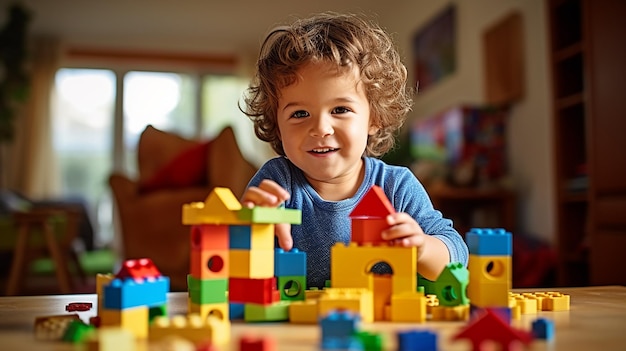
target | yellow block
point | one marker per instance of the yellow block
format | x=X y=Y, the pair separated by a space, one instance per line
x=112 y=339
x=218 y=310
x=191 y=327
x=303 y=312
x=133 y=319
x=258 y=264
x=102 y=280
x=350 y=266
x=355 y=300
x=408 y=307
x=450 y=313
x=220 y=207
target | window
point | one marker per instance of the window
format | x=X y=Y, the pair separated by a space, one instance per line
x=86 y=130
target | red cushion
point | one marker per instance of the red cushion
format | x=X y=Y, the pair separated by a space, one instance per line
x=189 y=168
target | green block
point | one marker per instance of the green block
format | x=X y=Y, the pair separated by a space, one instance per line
x=77 y=331
x=451 y=285
x=157 y=311
x=205 y=291
x=370 y=341
x=428 y=286
x=276 y=312
x=260 y=214
x=292 y=288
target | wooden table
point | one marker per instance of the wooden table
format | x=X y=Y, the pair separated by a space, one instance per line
x=596 y=321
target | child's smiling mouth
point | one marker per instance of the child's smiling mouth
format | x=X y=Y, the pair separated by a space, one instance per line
x=324 y=150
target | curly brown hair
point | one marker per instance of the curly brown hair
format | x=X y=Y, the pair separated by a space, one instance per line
x=346 y=40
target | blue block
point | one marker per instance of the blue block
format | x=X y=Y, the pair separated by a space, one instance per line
x=342 y=344
x=543 y=329
x=236 y=311
x=340 y=324
x=240 y=237
x=289 y=263
x=489 y=242
x=127 y=293
x=417 y=340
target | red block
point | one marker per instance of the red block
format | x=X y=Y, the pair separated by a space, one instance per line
x=259 y=291
x=251 y=343
x=367 y=230
x=141 y=268
x=209 y=237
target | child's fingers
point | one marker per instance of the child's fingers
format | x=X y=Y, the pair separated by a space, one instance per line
x=275 y=189
x=283 y=233
x=268 y=194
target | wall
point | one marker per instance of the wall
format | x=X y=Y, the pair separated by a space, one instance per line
x=529 y=132
x=204 y=26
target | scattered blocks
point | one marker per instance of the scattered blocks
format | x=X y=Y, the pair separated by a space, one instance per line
x=417 y=340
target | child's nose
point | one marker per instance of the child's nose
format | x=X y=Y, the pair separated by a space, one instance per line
x=322 y=127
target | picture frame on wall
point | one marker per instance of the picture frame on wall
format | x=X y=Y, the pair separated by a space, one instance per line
x=434 y=49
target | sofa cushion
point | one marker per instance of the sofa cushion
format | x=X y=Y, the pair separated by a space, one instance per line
x=187 y=169
x=157 y=148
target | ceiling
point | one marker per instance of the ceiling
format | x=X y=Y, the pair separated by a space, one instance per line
x=211 y=25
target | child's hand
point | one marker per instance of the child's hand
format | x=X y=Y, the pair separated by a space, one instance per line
x=270 y=194
x=404 y=231
x=432 y=253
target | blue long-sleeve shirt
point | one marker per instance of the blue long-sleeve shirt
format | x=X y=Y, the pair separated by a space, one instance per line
x=325 y=223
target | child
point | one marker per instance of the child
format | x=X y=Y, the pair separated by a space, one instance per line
x=328 y=95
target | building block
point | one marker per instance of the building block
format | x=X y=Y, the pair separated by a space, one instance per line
x=142 y=268
x=102 y=280
x=289 y=263
x=77 y=331
x=235 y=310
x=417 y=340
x=489 y=242
x=270 y=215
x=352 y=343
x=543 y=329
x=251 y=237
x=489 y=326
x=551 y=301
x=254 y=343
x=339 y=324
x=259 y=291
x=133 y=319
x=427 y=285
x=527 y=303
x=191 y=327
x=111 y=339
x=408 y=307
x=350 y=266
x=220 y=207
x=356 y=300
x=450 y=313
x=488 y=294
x=382 y=296
x=451 y=285
x=431 y=301
x=490 y=280
x=368 y=230
x=276 y=312
x=257 y=264
x=370 y=341
x=209 y=264
x=292 y=288
x=218 y=310
x=304 y=312
x=209 y=237
x=207 y=291
x=374 y=204
x=122 y=294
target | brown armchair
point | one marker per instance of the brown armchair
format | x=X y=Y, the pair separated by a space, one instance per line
x=150 y=221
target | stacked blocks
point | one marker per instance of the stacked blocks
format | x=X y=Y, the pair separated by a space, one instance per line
x=290 y=270
x=232 y=268
x=137 y=290
x=489 y=267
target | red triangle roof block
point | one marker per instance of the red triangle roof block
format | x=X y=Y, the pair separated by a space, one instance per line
x=374 y=204
x=489 y=326
x=138 y=269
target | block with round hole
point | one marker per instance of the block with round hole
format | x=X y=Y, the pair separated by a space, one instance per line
x=292 y=288
x=209 y=264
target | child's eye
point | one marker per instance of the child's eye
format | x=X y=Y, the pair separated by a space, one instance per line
x=300 y=114
x=341 y=109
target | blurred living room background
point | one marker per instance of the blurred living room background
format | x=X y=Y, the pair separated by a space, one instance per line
x=113 y=114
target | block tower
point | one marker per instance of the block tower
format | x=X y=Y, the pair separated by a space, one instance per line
x=232 y=256
x=489 y=267
x=351 y=265
x=136 y=294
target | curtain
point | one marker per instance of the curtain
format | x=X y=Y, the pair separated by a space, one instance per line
x=31 y=167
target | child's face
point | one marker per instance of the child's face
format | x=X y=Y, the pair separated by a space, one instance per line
x=324 y=122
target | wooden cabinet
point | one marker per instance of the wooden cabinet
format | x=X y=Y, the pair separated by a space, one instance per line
x=587 y=61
